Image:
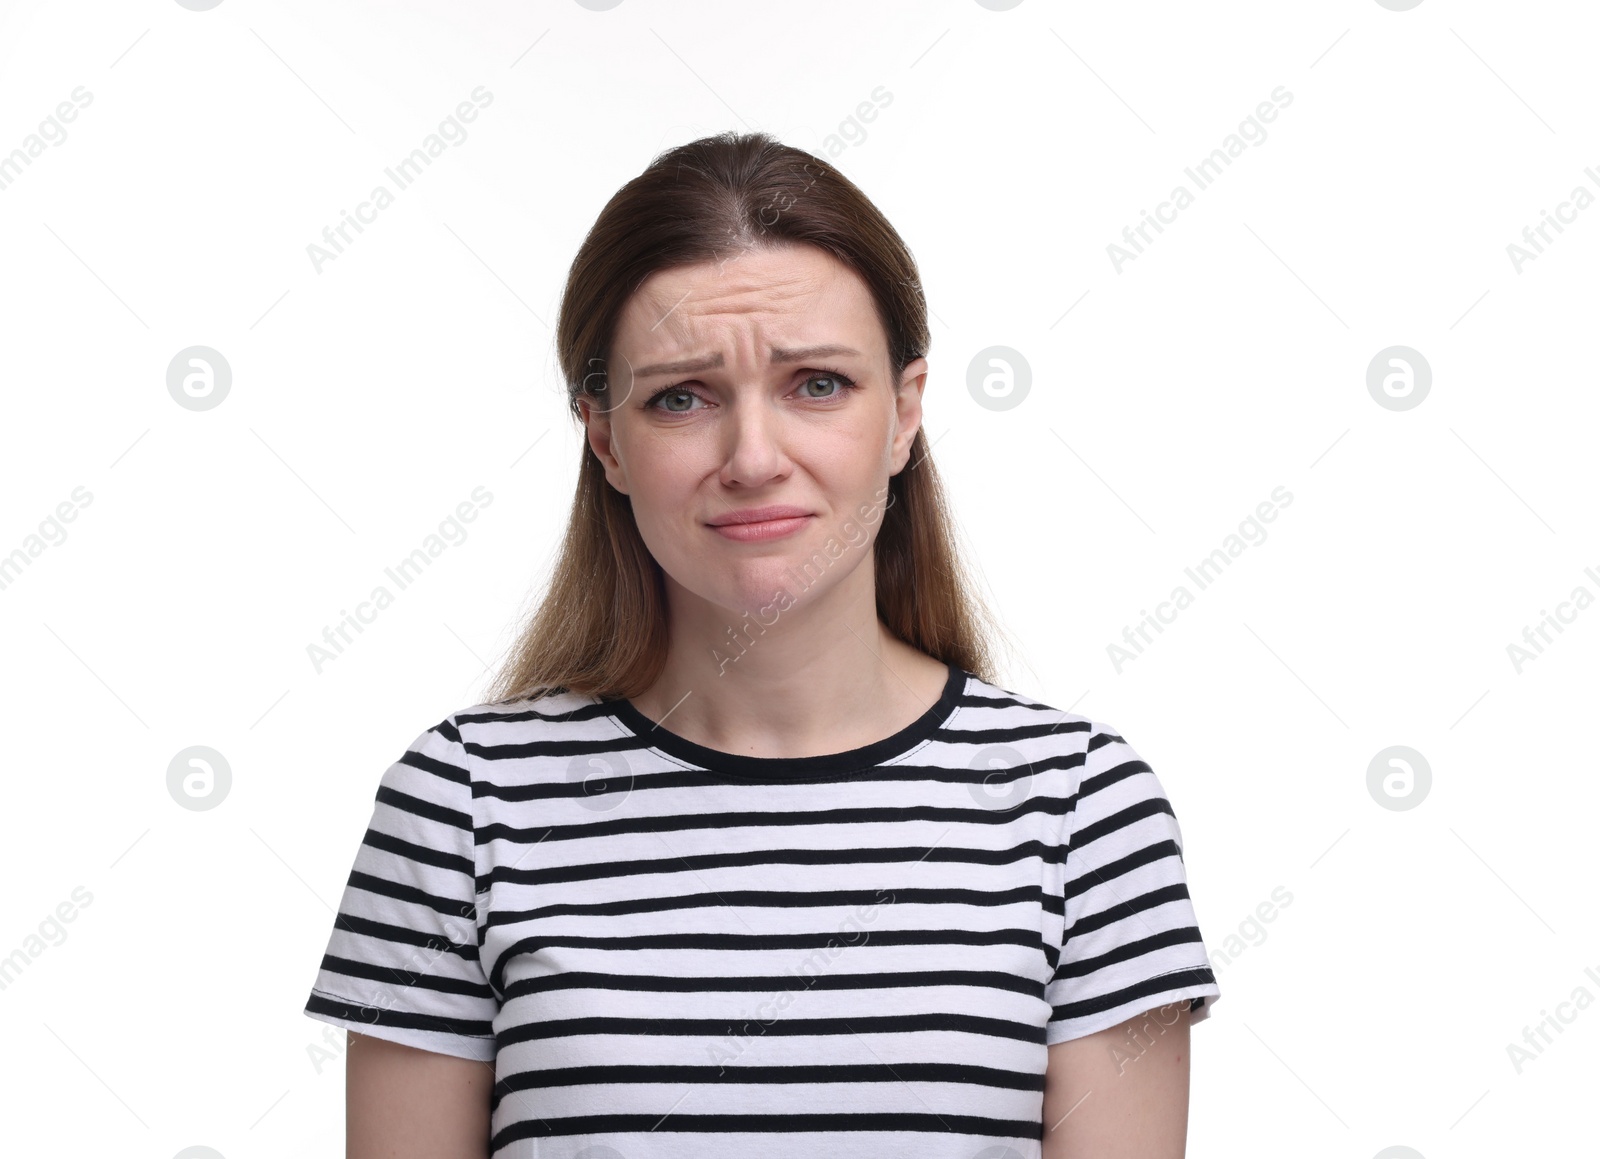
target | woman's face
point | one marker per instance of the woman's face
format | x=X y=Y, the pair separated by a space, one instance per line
x=760 y=380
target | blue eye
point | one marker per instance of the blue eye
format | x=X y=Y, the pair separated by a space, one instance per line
x=666 y=392
x=843 y=382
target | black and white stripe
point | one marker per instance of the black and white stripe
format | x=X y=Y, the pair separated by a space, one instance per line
x=675 y=951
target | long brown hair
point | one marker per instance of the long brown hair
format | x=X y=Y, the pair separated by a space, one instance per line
x=601 y=629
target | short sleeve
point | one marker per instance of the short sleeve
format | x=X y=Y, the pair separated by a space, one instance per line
x=1130 y=940
x=402 y=962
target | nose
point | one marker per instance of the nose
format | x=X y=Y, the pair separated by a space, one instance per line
x=753 y=453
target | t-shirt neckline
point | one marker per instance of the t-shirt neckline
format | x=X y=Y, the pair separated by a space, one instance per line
x=739 y=767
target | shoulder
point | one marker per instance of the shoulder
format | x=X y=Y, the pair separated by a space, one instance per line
x=1017 y=718
x=480 y=729
x=1024 y=746
x=1077 y=755
x=482 y=737
x=501 y=722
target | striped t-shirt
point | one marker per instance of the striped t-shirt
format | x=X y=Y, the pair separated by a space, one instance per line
x=666 y=950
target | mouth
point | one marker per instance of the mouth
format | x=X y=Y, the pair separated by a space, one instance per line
x=759 y=514
x=742 y=529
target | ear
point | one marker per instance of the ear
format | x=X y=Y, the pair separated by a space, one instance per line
x=908 y=411
x=597 y=428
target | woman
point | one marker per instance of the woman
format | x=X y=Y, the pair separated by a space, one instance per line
x=745 y=854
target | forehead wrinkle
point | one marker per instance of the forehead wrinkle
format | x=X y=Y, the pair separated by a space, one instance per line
x=688 y=318
x=779 y=357
x=697 y=302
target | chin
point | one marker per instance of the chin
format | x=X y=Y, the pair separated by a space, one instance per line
x=764 y=590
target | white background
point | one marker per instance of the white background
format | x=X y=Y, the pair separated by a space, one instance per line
x=1168 y=399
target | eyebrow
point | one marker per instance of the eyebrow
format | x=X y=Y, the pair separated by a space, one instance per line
x=713 y=361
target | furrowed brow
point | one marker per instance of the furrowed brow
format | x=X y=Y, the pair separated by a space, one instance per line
x=687 y=366
x=714 y=361
x=804 y=353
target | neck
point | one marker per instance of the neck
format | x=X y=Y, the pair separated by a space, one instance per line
x=820 y=674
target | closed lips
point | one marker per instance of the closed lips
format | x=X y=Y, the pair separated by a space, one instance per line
x=759 y=515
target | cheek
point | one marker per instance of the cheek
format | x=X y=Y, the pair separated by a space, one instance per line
x=867 y=434
x=857 y=465
x=663 y=480
x=660 y=466
x=864 y=452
